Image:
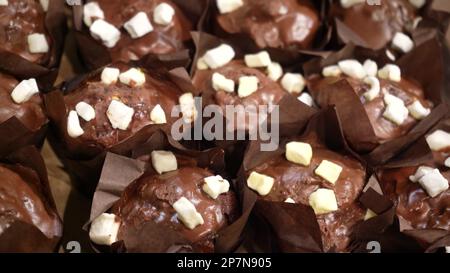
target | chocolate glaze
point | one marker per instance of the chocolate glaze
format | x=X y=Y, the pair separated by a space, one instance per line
x=30 y=113
x=268 y=93
x=376 y=24
x=273 y=23
x=19 y=19
x=151 y=197
x=22 y=201
x=162 y=40
x=142 y=99
x=384 y=129
x=413 y=203
x=298 y=182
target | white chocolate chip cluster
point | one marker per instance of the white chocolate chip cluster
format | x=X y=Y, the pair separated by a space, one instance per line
x=138 y=26
x=395 y=109
x=119 y=114
x=323 y=200
x=221 y=55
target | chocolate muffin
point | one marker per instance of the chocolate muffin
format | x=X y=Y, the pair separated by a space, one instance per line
x=131 y=29
x=21 y=99
x=114 y=104
x=375 y=24
x=24 y=207
x=393 y=104
x=176 y=195
x=23 y=30
x=285 y=24
x=309 y=173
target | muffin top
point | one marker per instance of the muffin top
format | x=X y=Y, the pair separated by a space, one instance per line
x=272 y=23
x=23 y=31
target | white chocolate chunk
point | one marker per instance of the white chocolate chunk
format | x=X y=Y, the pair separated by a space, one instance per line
x=261 y=59
x=85 y=111
x=119 y=114
x=157 y=115
x=201 y=64
x=418 y=3
x=104 y=229
x=374 y=88
x=416 y=22
x=370 y=67
x=434 y=183
x=247 y=86
x=106 y=32
x=3 y=2
x=274 y=71
x=396 y=113
x=37 y=43
x=219 y=56
x=163 y=14
x=369 y=214
x=91 y=12
x=260 y=183
x=132 y=77
x=306 y=99
x=349 y=3
x=164 y=161
x=390 y=55
x=329 y=171
x=420 y=172
x=390 y=72
x=323 y=201
x=187 y=105
x=289 y=200
x=402 y=42
x=396 y=110
x=299 y=153
x=227 y=6
x=352 y=68
x=187 y=213
x=447 y=249
x=74 y=129
x=215 y=186
x=139 y=25
x=220 y=82
x=447 y=162
x=331 y=71
x=438 y=140
x=24 y=90
x=44 y=4
x=293 y=82
x=110 y=75
x=418 y=111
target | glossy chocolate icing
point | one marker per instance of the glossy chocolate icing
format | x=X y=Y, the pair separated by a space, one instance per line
x=298 y=182
x=273 y=23
x=142 y=99
x=268 y=93
x=30 y=113
x=384 y=129
x=22 y=201
x=162 y=40
x=19 y=19
x=151 y=197
x=377 y=24
x=414 y=205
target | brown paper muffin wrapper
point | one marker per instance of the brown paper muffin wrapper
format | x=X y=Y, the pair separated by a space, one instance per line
x=94 y=54
x=393 y=233
x=292 y=112
x=280 y=226
x=287 y=57
x=433 y=80
x=83 y=161
x=22 y=236
x=46 y=73
x=118 y=172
